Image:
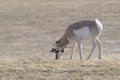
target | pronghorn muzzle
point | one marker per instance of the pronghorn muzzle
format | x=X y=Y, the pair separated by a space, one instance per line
x=58 y=53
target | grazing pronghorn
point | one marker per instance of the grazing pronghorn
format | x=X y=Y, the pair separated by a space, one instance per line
x=77 y=32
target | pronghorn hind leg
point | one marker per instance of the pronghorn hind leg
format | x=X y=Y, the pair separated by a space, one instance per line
x=80 y=48
x=73 y=50
x=93 y=48
x=98 y=42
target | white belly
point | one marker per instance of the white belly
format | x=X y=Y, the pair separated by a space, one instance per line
x=82 y=32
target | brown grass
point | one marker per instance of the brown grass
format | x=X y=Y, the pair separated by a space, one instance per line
x=28 y=28
x=24 y=68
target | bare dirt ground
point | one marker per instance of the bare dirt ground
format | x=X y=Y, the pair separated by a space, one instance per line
x=28 y=28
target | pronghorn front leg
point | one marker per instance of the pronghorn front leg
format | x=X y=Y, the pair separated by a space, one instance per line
x=73 y=50
x=80 y=48
x=93 y=48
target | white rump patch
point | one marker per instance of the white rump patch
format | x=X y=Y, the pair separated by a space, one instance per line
x=99 y=25
x=82 y=32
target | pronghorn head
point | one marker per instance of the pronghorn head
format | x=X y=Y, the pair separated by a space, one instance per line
x=58 y=50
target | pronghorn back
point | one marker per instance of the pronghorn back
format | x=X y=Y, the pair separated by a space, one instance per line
x=81 y=30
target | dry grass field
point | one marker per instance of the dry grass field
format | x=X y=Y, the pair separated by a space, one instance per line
x=29 y=27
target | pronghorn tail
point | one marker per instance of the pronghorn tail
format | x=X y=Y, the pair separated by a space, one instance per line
x=99 y=25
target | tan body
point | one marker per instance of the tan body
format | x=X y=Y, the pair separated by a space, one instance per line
x=78 y=31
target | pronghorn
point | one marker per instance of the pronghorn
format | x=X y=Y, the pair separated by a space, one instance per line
x=76 y=33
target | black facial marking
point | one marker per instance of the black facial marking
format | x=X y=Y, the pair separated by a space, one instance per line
x=55 y=51
x=62 y=50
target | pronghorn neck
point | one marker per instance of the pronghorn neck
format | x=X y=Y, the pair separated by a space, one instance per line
x=63 y=41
